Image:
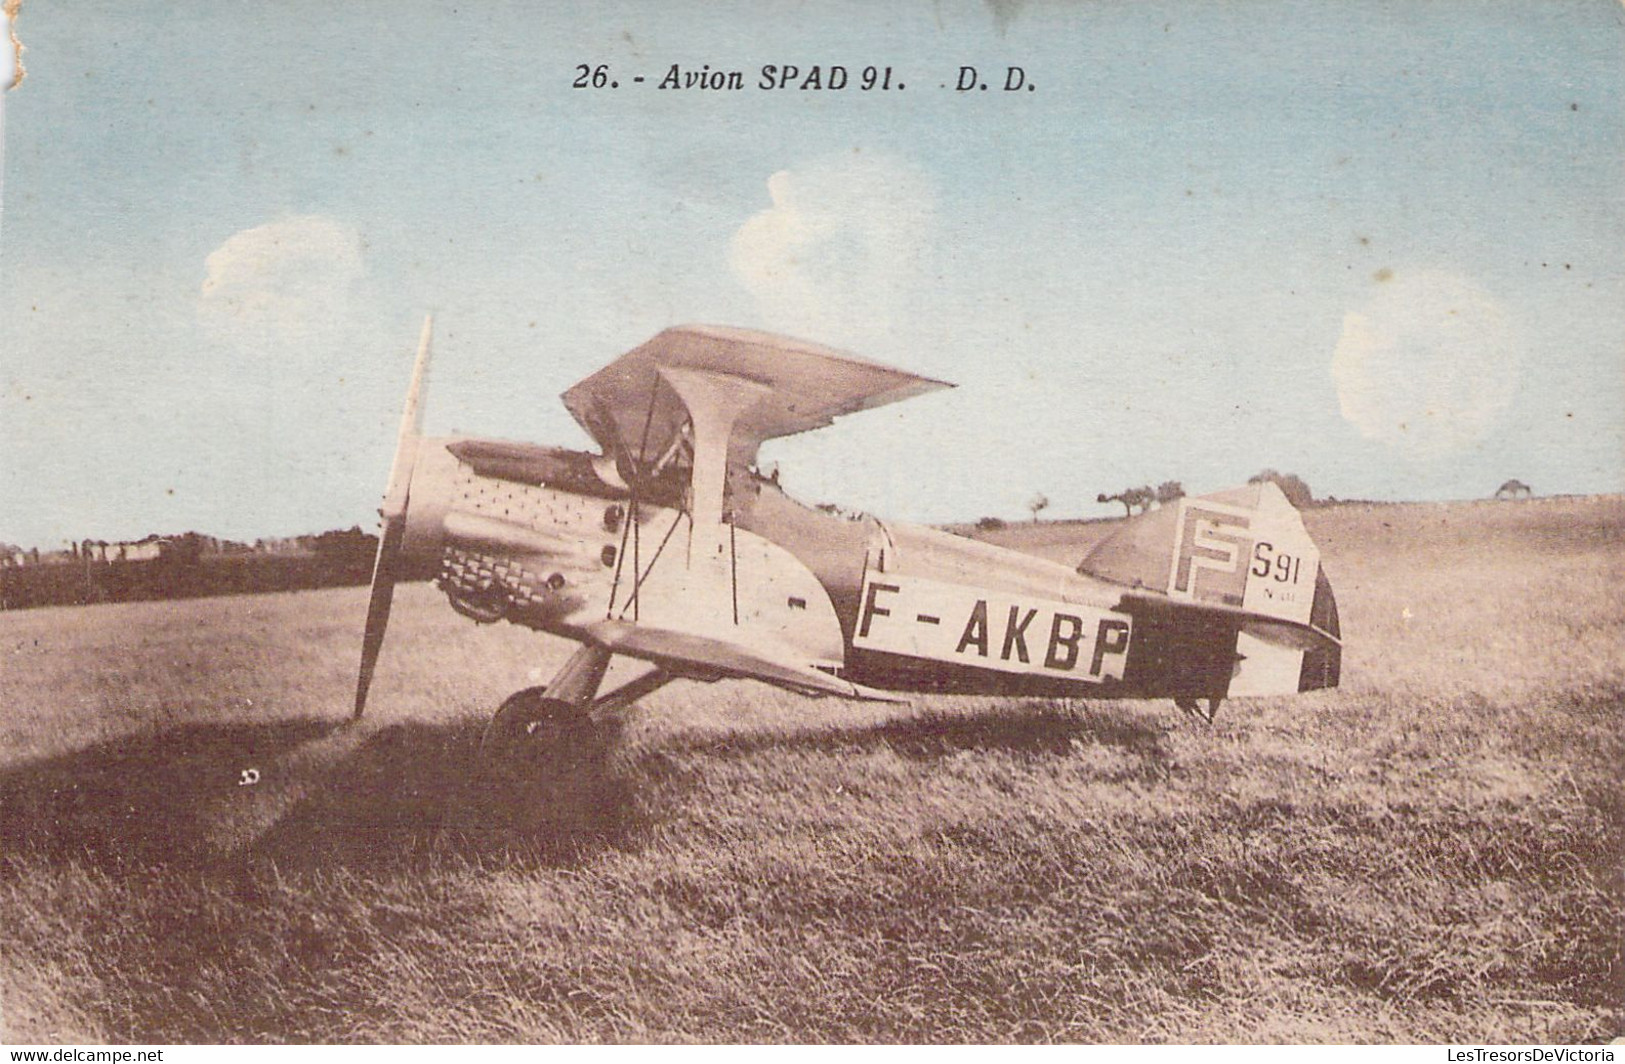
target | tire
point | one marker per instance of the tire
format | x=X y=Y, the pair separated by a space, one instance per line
x=548 y=769
x=520 y=716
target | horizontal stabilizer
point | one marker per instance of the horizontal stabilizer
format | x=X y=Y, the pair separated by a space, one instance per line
x=1274 y=631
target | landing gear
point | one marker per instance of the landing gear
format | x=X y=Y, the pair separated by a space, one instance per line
x=536 y=736
x=523 y=720
x=1192 y=708
x=547 y=767
x=548 y=757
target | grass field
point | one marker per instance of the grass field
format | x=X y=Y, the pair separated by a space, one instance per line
x=1432 y=852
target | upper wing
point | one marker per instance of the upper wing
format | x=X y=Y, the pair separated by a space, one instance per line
x=805 y=387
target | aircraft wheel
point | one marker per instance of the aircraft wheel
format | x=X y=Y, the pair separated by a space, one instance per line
x=521 y=715
x=548 y=767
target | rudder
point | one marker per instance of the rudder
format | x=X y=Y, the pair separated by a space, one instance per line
x=1243 y=558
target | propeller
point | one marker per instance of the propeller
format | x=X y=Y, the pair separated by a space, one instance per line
x=393 y=532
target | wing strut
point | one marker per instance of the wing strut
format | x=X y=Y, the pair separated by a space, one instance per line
x=635 y=488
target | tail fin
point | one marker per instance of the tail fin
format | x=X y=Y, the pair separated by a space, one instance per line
x=1242 y=553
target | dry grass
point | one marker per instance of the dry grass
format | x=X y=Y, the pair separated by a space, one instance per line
x=1431 y=853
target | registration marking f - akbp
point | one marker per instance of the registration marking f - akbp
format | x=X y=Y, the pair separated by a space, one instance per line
x=929 y=619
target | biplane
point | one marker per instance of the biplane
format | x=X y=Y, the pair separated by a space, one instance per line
x=670 y=548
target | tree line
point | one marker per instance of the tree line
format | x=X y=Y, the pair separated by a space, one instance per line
x=1144 y=497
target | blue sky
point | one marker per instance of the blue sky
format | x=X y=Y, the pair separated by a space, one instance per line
x=1379 y=245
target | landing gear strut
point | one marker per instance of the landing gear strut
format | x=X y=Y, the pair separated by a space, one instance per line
x=529 y=717
x=533 y=715
x=1192 y=708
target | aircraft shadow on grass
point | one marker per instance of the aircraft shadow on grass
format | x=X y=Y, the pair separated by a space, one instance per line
x=311 y=793
x=138 y=799
x=928 y=736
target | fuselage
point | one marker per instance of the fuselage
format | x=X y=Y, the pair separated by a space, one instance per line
x=555 y=540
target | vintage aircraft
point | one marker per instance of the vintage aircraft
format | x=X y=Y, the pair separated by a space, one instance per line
x=670 y=548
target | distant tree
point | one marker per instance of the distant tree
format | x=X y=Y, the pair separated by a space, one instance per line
x=989 y=524
x=1169 y=491
x=1514 y=489
x=1292 y=486
x=347 y=545
x=1142 y=497
x=183 y=550
x=1036 y=503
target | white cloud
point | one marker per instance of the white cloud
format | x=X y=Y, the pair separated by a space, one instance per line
x=285 y=282
x=1427 y=364
x=838 y=255
x=292 y=388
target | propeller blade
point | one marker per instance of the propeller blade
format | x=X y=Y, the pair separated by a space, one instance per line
x=406 y=452
x=393 y=533
x=383 y=594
